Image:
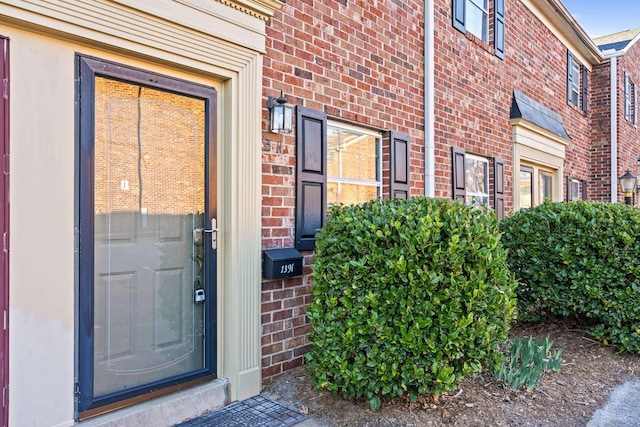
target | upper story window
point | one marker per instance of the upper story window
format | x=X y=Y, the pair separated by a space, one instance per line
x=630 y=100
x=577 y=79
x=473 y=16
x=353 y=164
x=477 y=18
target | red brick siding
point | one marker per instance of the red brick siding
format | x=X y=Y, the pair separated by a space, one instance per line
x=357 y=61
x=600 y=106
x=628 y=133
x=474 y=90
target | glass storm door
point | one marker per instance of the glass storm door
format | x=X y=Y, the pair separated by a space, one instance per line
x=147 y=232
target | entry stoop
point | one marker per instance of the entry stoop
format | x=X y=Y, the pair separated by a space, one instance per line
x=168 y=410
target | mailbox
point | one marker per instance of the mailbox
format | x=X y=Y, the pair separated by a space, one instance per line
x=281 y=263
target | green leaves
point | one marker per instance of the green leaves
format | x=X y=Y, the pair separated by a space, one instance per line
x=527 y=359
x=581 y=259
x=409 y=297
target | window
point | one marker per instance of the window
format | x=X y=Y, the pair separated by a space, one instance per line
x=473 y=16
x=477 y=180
x=526 y=187
x=576 y=189
x=472 y=181
x=340 y=163
x=546 y=186
x=575 y=83
x=577 y=80
x=630 y=100
x=353 y=165
x=536 y=184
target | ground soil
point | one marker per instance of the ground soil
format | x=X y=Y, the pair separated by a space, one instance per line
x=590 y=371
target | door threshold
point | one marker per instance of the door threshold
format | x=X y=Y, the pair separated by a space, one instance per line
x=166 y=410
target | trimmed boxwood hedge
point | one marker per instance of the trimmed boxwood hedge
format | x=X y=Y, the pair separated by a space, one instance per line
x=579 y=259
x=409 y=297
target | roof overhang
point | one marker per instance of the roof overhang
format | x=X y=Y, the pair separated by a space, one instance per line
x=565 y=23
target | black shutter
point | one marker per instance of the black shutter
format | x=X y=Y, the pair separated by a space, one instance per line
x=498 y=187
x=585 y=89
x=569 y=77
x=399 y=165
x=458 y=15
x=458 y=157
x=311 y=186
x=584 y=189
x=569 y=193
x=498 y=28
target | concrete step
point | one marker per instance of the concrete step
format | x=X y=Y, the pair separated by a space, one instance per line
x=168 y=410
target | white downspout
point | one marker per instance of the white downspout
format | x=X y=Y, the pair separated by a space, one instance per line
x=614 y=130
x=429 y=105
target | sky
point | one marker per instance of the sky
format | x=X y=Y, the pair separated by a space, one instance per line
x=603 y=17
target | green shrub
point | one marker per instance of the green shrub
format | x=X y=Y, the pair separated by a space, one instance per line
x=409 y=297
x=579 y=259
x=527 y=359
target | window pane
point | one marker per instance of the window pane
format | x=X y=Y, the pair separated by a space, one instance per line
x=350 y=194
x=333 y=151
x=353 y=165
x=575 y=83
x=546 y=185
x=352 y=154
x=526 y=189
x=575 y=190
x=477 y=180
x=476 y=21
x=476 y=175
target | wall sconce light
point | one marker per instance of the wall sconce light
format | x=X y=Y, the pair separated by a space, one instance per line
x=628 y=183
x=281 y=120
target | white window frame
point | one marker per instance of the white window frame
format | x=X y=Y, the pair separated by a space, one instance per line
x=360 y=182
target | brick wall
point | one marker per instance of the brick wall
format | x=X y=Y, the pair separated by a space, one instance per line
x=600 y=188
x=628 y=132
x=474 y=90
x=358 y=61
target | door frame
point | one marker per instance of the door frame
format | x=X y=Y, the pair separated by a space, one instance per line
x=87 y=68
x=4 y=218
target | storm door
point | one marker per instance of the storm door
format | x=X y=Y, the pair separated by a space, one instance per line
x=148 y=237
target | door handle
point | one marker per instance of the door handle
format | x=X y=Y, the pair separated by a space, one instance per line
x=214 y=233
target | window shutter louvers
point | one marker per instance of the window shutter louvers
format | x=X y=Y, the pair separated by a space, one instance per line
x=627 y=101
x=569 y=76
x=569 y=193
x=458 y=161
x=584 y=189
x=311 y=185
x=498 y=28
x=458 y=15
x=498 y=187
x=585 y=89
x=399 y=165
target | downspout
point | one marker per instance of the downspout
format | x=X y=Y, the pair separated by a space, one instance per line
x=429 y=106
x=614 y=129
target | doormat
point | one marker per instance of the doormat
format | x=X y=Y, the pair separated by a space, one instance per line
x=253 y=412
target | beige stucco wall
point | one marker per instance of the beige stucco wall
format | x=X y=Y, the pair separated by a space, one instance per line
x=42 y=195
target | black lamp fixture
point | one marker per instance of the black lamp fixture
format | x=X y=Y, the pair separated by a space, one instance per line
x=281 y=115
x=628 y=183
